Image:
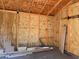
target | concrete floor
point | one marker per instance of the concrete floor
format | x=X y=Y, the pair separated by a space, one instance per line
x=54 y=54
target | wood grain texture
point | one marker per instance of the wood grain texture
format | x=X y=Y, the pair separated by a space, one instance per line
x=35 y=6
x=72 y=41
x=29 y=29
x=6 y=26
x=73 y=29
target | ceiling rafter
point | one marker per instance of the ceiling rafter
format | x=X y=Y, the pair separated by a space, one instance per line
x=54 y=6
x=32 y=3
x=30 y=6
x=43 y=6
x=37 y=3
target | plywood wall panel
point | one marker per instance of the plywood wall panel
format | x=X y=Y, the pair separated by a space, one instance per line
x=6 y=32
x=73 y=36
x=34 y=30
x=24 y=20
x=43 y=25
x=73 y=30
x=23 y=36
x=72 y=40
x=1 y=22
x=29 y=29
x=23 y=29
x=56 y=30
x=73 y=9
x=64 y=13
x=44 y=29
x=50 y=26
x=10 y=19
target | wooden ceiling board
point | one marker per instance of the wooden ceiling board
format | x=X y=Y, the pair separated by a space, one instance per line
x=60 y=6
x=1 y=5
x=33 y=6
x=10 y=4
x=46 y=9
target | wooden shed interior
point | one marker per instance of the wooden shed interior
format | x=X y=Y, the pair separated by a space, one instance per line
x=39 y=23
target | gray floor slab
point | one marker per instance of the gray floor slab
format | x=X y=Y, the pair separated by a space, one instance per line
x=54 y=54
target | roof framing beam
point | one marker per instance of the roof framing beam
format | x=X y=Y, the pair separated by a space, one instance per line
x=43 y=6
x=32 y=3
x=54 y=7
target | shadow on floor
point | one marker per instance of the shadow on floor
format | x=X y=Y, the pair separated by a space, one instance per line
x=53 y=54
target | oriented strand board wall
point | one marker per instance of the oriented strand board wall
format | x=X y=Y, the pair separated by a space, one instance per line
x=1 y=21
x=72 y=40
x=36 y=30
x=44 y=30
x=73 y=36
x=6 y=26
x=10 y=19
x=55 y=28
x=73 y=27
x=29 y=29
x=23 y=29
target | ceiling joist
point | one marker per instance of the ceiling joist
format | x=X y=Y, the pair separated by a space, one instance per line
x=54 y=7
x=32 y=3
x=45 y=7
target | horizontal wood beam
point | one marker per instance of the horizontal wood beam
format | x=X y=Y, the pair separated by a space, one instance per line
x=54 y=6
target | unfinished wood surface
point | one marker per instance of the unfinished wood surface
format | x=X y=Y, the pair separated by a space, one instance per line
x=55 y=29
x=54 y=7
x=30 y=33
x=34 y=30
x=60 y=6
x=43 y=29
x=72 y=42
x=6 y=26
x=36 y=6
x=29 y=29
x=73 y=33
x=23 y=28
x=51 y=22
x=1 y=21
